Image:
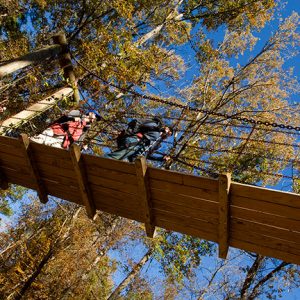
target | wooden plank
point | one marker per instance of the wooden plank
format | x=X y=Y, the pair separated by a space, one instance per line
x=80 y=173
x=4 y=140
x=259 y=217
x=19 y=178
x=184 y=211
x=268 y=195
x=129 y=200
x=145 y=194
x=11 y=150
x=111 y=164
x=183 y=179
x=111 y=174
x=10 y=160
x=287 y=257
x=246 y=226
x=184 y=190
x=58 y=178
x=114 y=206
x=41 y=150
x=25 y=114
x=112 y=184
x=266 y=241
x=54 y=161
x=3 y=179
x=185 y=221
x=210 y=207
x=267 y=207
x=223 y=237
x=37 y=107
x=34 y=172
x=63 y=192
x=34 y=110
x=9 y=124
x=56 y=171
x=190 y=229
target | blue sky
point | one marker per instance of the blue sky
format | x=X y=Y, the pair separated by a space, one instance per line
x=292 y=5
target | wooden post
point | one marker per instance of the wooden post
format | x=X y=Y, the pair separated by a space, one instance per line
x=144 y=192
x=29 y=59
x=80 y=173
x=66 y=63
x=3 y=180
x=33 y=170
x=224 y=189
x=34 y=110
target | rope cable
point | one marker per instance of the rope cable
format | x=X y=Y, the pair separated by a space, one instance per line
x=188 y=108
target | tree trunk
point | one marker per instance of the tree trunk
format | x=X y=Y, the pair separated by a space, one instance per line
x=66 y=64
x=29 y=59
x=35 y=274
x=114 y=295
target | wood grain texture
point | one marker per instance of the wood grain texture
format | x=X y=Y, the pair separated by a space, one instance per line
x=145 y=194
x=261 y=220
x=184 y=190
x=287 y=257
x=264 y=218
x=224 y=219
x=266 y=207
x=245 y=226
x=111 y=164
x=80 y=174
x=263 y=194
x=33 y=169
x=184 y=179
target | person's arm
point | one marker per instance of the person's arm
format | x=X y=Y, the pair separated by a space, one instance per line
x=149 y=125
x=73 y=114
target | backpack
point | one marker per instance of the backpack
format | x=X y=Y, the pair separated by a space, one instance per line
x=139 y=126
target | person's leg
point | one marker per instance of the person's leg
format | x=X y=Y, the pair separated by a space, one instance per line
x=47 y=138
x=128 y=148
x=120 y=154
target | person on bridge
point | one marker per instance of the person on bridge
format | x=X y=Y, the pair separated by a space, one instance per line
x=140 y=138
x=68 y=129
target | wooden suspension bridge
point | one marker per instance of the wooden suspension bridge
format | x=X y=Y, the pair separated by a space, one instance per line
x=231 y=214
x=228 y=213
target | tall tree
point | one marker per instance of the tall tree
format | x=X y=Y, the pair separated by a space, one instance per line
x=55 y=253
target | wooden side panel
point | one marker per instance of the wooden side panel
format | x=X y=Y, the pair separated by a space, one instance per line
x=96 y=172
x=68 y=193
x=208 y=207
x=57 y=153
x=110 y=164
x=240 y=225
x=288 y=257
x=4 y=140
x=266 y=219
x=184 y=190
x=185 y=203
x=114 y=187
x=184 y=179
x=267 y=195
x=9 y=149
x=183 y=224
x=261 y=220
x=18 y=177
x=117 y=203
x=56 y=169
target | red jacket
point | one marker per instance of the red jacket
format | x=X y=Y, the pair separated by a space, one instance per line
x=72 y=131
